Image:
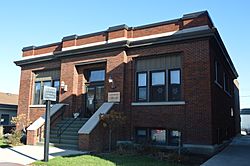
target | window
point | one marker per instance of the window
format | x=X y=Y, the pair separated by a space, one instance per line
x=97 y=75
x=5 y=119
x=152 y=77
x=142 y=86
x=38 y=92
x=174 y=88
x=158 y=136
x=232 y=112
x=158 y=86
x=174 y=137
x=56 y=84
x=218 y=73
x=157 y=91
x=226 y=83
x=49 y=78
x=141 y=135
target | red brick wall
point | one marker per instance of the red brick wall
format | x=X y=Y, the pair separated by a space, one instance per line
x=26 y=89
x=36 y=113
x=223 y=124
x=194 y=118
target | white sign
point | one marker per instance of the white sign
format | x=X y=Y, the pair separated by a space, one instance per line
x=114 y=97
x=49 y=93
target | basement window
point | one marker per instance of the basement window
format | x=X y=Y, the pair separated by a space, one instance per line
x=158 y=136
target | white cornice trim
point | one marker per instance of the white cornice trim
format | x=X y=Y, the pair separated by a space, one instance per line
x=38 y=55
x=83 y=46
x=188 y=30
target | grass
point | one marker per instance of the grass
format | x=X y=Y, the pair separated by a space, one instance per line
x=4 y=143
x=105 y=160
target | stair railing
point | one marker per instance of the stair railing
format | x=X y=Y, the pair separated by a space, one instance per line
x=66 y=125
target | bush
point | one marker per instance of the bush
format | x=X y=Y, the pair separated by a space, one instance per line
x=15 y=137
x=125 y=147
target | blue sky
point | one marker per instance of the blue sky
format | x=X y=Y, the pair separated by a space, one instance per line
x=29 y=22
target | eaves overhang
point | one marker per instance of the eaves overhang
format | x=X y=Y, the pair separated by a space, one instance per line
x=76 y=52
x=225 y=53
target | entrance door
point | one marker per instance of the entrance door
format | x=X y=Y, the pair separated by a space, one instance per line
x=95 y=98
x=95 y=91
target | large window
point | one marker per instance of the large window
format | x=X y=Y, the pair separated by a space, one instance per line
x=158 y=86
x=45 y=78
x=159 y=90
x=142 y=86
x=174 y=88
x=38 y=93
x=158 y=78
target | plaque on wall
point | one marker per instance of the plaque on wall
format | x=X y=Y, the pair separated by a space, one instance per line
x=114 y=97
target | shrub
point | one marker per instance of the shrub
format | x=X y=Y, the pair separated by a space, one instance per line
x=15 y=137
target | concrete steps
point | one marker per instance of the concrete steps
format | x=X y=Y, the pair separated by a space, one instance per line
x=69 y=128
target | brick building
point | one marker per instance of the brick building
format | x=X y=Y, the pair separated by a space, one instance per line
x=8 y=109
x=167 y=77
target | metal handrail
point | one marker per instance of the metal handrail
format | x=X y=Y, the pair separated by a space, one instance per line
x=60 y=131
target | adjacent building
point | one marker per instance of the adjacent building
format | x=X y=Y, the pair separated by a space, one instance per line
x=167 y=78
x=8 y=109
x=245 y=120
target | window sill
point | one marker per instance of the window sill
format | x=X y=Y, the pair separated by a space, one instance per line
x=218 y=84
x=228 y=93
x=158 y=103
x=37 y=106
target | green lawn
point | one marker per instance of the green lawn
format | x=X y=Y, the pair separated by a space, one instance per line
x=105 y=160
x=3 y=143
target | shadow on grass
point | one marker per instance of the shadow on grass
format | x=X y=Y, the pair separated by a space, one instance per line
x=5 y=146
x=128 y=159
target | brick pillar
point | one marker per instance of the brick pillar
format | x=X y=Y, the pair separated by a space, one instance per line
x=31 y=137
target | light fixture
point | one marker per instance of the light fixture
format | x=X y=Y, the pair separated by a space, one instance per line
x=111 y=81
x=64 y=86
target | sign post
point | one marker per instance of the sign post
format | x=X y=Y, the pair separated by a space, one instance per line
x=49 y=94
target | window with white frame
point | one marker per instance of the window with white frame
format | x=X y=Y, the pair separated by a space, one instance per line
x=174 y=92
x=158 y=86
x=142 y=87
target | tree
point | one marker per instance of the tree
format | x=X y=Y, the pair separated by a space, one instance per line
x=112 y=120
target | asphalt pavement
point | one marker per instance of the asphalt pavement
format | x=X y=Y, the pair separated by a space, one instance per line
x=236 y=154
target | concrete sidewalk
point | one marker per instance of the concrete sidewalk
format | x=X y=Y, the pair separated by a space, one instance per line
x=236 y=154
x=27 y=154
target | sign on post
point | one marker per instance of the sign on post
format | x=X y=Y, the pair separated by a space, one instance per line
x=114 y=97
x=49 y=94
